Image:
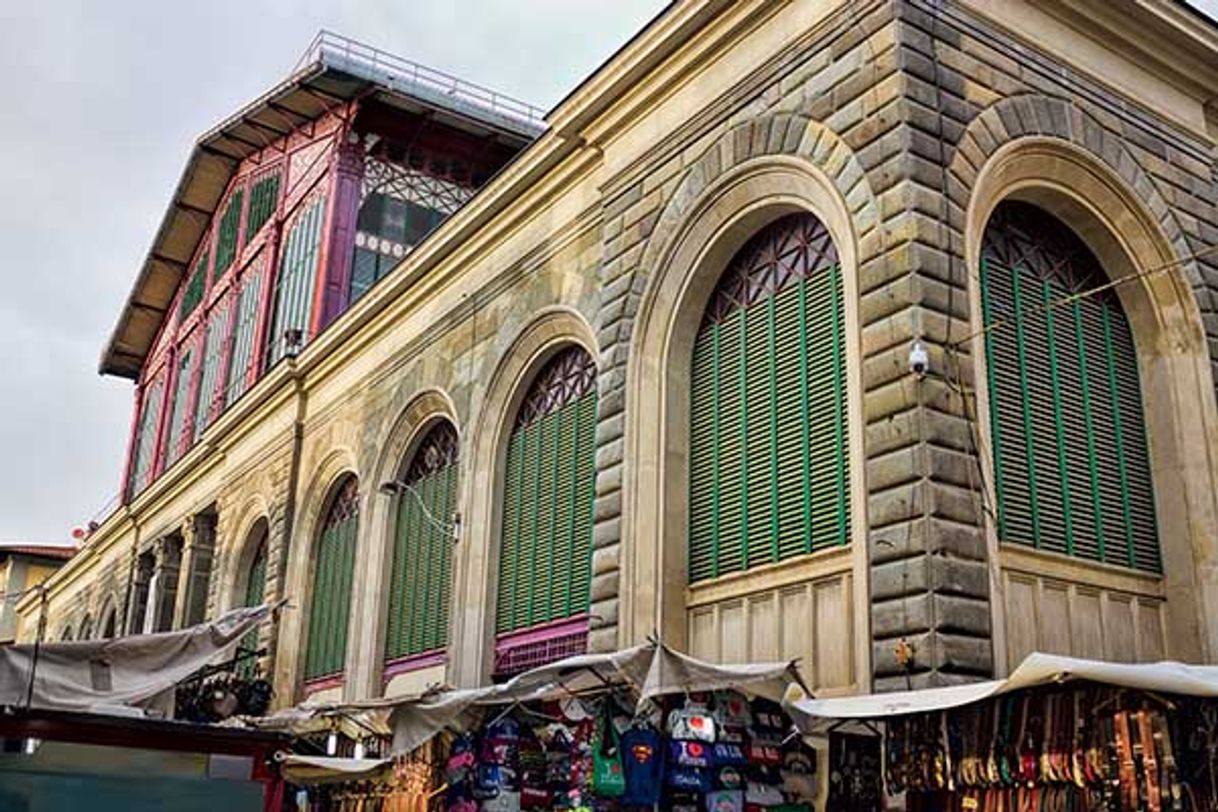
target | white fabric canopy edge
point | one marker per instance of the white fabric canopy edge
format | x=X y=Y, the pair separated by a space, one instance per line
x=1037 y=669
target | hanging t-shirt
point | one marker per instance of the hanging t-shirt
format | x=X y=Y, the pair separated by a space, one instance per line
x=643 y=763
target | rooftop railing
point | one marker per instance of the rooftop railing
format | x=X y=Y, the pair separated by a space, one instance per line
x=365 y=61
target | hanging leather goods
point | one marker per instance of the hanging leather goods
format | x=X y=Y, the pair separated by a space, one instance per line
x=991 y=762
x=1150 y=762
x=1169 y=781
x=1126 y=773
x=1047 y=740
x=941 y=761
x=1077 y=757
x=1060 y=760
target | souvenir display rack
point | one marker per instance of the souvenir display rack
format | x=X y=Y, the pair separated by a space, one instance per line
x=702 y=752
x=1086 y=748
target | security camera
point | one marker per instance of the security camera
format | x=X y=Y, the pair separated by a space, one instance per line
x=919 y=360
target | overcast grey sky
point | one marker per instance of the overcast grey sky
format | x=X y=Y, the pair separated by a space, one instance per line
x=102 y=102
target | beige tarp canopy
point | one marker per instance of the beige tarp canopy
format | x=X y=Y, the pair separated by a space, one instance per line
x=311 y=769
x=651 y=670
x=106 y=675
x=1037 y=670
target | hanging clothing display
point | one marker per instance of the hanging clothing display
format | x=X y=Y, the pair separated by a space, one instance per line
x=1085 y=749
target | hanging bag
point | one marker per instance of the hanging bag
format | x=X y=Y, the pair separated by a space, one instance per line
x=608 y=779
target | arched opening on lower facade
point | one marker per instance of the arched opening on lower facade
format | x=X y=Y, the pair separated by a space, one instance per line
x=1095 y=414
x=332 y=583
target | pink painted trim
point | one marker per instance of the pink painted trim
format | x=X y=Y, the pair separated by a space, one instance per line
x=537 y=634
x=324 y=683
x=413 y=662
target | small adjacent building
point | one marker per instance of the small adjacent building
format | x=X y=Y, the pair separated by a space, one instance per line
x=22 y=568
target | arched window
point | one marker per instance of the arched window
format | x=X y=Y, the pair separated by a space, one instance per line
x=86 y=628
x=422 y=548
x=400 y=204
x=66 y=635
x=330 y=605
x=255 y=593
x=110 y=625
x=769 y=461
x=1071 y=469
x=295 y=282
x=545 y=560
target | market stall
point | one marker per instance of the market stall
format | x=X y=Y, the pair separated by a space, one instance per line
x=1060 y=733
x=642 y=727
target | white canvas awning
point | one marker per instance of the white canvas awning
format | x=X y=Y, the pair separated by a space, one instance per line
x=650 y=670
x=310 y=769
x=1038 y=669
x=138 y=671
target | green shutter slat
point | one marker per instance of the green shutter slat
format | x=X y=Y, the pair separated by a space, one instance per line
x=297 y=274
x=1059 y=429
x=549 y=489
x=196 y=285
x=769 y=464
x=264 y=196
x=226 y=235
x=330 y=605
x=1072 y=486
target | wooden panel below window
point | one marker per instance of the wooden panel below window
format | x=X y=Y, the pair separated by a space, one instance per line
x=1080 y=610
x=774 y=618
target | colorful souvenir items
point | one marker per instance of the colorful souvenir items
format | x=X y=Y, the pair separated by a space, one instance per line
x=729 y=777
x=503 y=802
x=678 y=801
x=799 y=770
x=725 y=800
x=643 y=764
x=689 y=754
x=608 y=778
x=726 y=753
x=558 y=760
x=689 y=779
x=691 y=723
x=762 y=794
x=732 y=709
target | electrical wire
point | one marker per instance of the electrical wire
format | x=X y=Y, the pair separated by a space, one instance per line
x=447 y=527
x=1082 y=294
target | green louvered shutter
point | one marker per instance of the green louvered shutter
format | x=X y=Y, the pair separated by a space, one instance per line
x=422 y=552
x=218 y=322
x=243 y=357
x=145 y=441
x=255 y=592
x=296 y=280
x=180 y=426
x=1071 y=467
x=264 y=196
x=545 y=565
x=227 y=234
x=769 y=471
x=196 y=285
x=330 y=606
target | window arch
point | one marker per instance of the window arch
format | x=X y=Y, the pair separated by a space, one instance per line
x=1070 y=458
x=86 y=628
x=769 y=459
x=545 y=561
x=110 y=624
x=330 y=603
x=420 y=586
x=255 y=590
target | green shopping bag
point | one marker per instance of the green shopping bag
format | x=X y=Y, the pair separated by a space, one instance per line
x=608 y=777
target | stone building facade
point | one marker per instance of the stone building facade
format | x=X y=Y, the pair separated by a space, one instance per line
x=901 y=127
